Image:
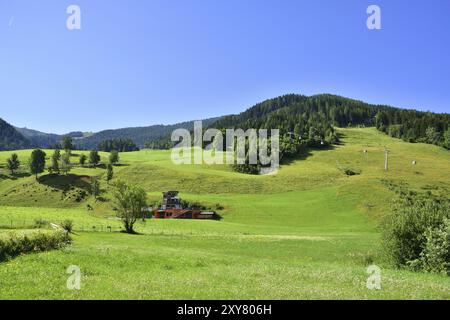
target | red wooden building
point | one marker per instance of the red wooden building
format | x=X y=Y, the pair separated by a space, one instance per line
x=172 y=208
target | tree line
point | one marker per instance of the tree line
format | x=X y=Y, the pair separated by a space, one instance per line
x=60 y=163
x=121 y=145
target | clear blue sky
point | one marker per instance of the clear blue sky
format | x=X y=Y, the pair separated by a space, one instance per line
x=139 y=62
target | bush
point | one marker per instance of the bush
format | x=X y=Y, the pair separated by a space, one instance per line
x=41 y=223
x=435 y=256
x=350 y=172
x=415 y=235
x=67 y=225
x=19 y=244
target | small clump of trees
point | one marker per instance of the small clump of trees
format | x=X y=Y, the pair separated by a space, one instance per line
x=61 y=162
x=129 y=200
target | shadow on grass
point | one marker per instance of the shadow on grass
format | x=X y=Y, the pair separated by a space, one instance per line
x=133 y=233
x=307 y=152
x=66 y=182
x=15 y=176
x=103 y=166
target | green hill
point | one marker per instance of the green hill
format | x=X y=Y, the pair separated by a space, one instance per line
x=308 y=232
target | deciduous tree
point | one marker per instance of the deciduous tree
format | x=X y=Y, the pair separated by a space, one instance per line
x=129 y=200
x=56 y=156
x=83 y=160
x=37 y=162
x=65 y=162
x=13 y=163
x=66 y=143
x=447 y=139
x=95 y=188
x=94 y=158
x=114 y=157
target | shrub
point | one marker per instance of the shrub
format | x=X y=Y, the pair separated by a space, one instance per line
x=67 y=225
x=413 y=233
x=350 y=172
x=435 y=256
x=19 y=244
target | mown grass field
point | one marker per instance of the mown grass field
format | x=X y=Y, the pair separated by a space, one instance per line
x=308 y=232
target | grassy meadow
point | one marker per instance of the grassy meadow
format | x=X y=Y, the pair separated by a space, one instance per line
x=308 y=232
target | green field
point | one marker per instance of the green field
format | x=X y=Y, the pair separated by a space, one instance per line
x=308 y=232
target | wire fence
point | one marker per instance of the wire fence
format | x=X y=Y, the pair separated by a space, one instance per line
x=44 y=224
x=113 y=226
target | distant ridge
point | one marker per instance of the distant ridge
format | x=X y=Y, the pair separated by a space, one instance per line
x=140 y=135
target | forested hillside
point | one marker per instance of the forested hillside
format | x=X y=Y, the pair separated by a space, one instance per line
x=312 y=120
x=139 y=135
x=10 y=138
x=316 y=115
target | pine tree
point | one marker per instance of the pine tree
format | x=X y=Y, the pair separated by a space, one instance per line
x=109 y=172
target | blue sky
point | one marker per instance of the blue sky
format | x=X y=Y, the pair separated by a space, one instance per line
x=142 y=62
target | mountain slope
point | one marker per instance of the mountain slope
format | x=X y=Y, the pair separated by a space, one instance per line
x=10 y=138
